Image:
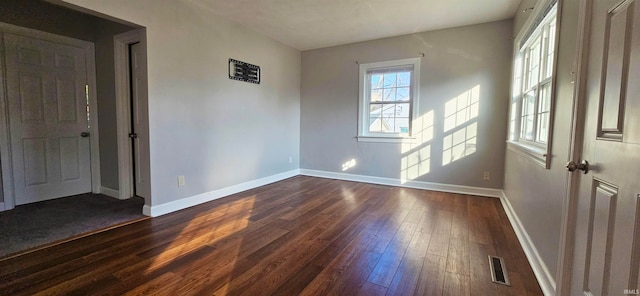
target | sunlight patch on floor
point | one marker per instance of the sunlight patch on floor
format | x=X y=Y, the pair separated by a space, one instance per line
x=240 y=210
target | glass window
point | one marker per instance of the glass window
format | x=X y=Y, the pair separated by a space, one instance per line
x=532 y=92
x=388 y=97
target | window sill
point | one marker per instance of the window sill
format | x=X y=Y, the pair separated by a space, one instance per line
x=386 y=139
x=537 y=154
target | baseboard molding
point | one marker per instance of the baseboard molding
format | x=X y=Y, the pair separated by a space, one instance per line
x=409 y=184
x=545 y=278
x=110 y=192
x=1 y=206
x=165 y=208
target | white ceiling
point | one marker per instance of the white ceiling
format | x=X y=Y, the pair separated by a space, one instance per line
x=310 y=24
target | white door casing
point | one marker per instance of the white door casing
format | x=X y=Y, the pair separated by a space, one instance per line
x=124 y=113
x=139 y=119
x=606 y=252
x=45 y=102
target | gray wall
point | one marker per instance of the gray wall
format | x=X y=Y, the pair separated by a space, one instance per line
x=535 y=193
x=214 y=131
x=58 y=20
x=456 y=60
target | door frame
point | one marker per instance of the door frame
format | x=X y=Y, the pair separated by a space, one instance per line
x=5 y=129
x=569 y=214
x=123 y=110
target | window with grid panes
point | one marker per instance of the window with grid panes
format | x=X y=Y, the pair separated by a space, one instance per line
x=388 y=96
x=532 y=86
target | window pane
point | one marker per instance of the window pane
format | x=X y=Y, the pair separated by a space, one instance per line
x=402 y=125
x=512 y=121
x=517 y=76
x=545 y=98
x=528 y=103
x=527 y=128
x=512 y=128
x=389 y=80
x=404 y=78
x=544 y=106
x=389 y=110
x=403 y=94
x=534 y=63
x=376 y=81
x=543 y=127
x=375 y=121
x=550 y=48
x=528 y=114
x=388 y=124
x=376 y=95
x=375 y=110
x=389 y=94
x=402 y=110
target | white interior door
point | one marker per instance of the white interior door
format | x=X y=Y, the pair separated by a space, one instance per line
x=139 y=119
x=48 y=107
x=606 y=260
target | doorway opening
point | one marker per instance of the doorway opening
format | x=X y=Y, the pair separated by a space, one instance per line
x=40 y=34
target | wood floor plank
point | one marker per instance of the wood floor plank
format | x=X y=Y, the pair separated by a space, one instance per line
x=456 y=285
x=371 y=289
x=439 y=244
x=300 y=236
x=431 y=280
x=386 y=268
x=406 y=277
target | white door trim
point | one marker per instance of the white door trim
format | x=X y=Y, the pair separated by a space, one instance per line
x=123 y=109
x=5 y=133
x=570 y=204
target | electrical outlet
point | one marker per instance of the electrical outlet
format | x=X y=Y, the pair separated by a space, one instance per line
x=180 y=181
x=486 y=176
x=290 y=159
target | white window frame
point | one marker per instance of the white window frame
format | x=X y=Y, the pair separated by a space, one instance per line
x=365 y=101
x=534 y=148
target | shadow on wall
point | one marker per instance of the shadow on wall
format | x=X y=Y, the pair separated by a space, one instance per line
x=459 y=138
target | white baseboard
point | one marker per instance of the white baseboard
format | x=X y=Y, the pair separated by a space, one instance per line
x=409 y=184
x=110 y=192
x=545 y=278
x=184 y=203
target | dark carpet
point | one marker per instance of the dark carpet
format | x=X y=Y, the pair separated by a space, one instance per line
x=32 y=225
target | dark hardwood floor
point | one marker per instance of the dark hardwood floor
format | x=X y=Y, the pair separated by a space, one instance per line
x=300 y=236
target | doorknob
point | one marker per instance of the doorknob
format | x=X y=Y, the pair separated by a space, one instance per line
x=583 y=166
x=84 y=134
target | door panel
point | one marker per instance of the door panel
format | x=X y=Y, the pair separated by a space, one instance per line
x=70 y=166
x=600 y=236
x=47 y=113
x=66 y=100
x=31 y=97
x=614 y=75
x=34 y=154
